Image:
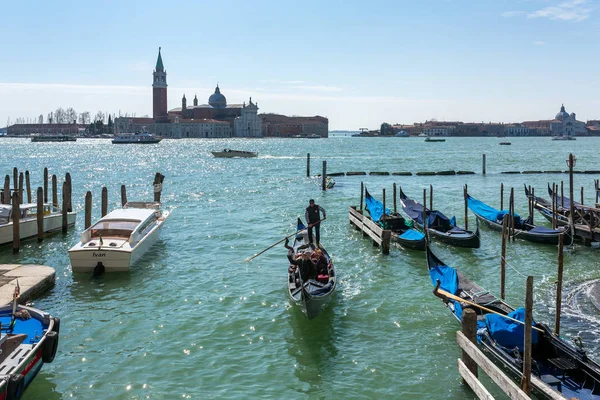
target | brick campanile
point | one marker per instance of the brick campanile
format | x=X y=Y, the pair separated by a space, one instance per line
x=159 y=91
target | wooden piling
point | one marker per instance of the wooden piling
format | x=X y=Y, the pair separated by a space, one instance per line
x=362 y=191
x=572 y=206
x=512 y=213
x=526 y=379
x=597 y=187
x=469 y=329
x=15 y=179
x=431 y=197
x=6 y=190
x=54 y=191
x=21 y=197
x=104 y=210
x=69 y=192
x=395 y=196
x=553 y=205
x=559 y=285
x=532 y=204
x=307 y=165
x=466 y=196
x=502 y=196
x=28 y=186
x=503 y=257
x=324 y=176
x=88 y=210
x=562 y=195
x=45 y=185
x=40 y=214
x=16 y=218
x=65 y=205
x=581 y=196
x=384 y=201
x=425 y=215
x=158 y=180
x=483 y=167
x=123 y=195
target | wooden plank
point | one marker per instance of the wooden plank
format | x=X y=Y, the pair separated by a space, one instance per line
x=473 y=382
x=504 y=382
x=372 y=226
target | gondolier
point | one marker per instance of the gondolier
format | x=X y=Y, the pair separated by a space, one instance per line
x=312 y=215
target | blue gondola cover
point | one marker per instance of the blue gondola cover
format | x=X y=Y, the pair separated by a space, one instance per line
x=375 y=207
x=508 y=333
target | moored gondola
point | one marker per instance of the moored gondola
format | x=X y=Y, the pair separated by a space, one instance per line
x=439 y=226
x=545 y=208
x=523 y=229
x=311 y=276
x=402 y=232
x=566 y=369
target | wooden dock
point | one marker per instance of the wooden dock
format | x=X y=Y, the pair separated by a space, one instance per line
x=381 y=237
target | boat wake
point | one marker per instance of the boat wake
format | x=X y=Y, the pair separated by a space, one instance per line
x=580 y=309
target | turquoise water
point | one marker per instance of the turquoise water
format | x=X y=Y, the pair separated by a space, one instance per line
x=193 y=320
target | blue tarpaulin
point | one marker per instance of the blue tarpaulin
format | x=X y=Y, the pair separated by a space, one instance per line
x=412 y=234
x=375 y=207
x=489 y=212
x=447 y=277
x=435 y=219
x=508 y=333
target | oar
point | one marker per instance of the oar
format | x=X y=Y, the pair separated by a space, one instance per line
x=441 y=292
x=287 y=237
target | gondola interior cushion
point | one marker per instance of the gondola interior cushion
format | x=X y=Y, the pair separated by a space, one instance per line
x=508 y=333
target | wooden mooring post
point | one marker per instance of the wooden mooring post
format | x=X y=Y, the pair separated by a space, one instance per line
x=503 y=256
x=431 y=197
x=54 y=191
x=512 y=213
x=69 y=192
x=425 y=215
x=572 y=161
x=395 y=197
x=581 y=202
x=483 y=167
x=526 y=378
x=324 y=176
x=45 y=185
x=469 y=329
x=559 y=285
x=88 y=210
x=502 y=196
x=158 y=180
x=15 y=179
x=104 y=209
x=362 y=191
x=6 y=190
x=40 y=216
x=597 y=188
x=532 y=204
x=16 y=218
x=65 y=205
x=123 y=195
x=21 y=197
x=466 y=196
x=307 y=165
x=28 y=186
x=562 y=195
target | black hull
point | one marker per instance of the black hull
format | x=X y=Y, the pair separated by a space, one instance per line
x=540 y=238
x=469 y=239
x=409 y=244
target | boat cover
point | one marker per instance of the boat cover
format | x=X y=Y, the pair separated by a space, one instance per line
x=488 y=212
x=542 y=229
x=412 y=234
x=435 y=219
x=508 y=333
x=375 y=207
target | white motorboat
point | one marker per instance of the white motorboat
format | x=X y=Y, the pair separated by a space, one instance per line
x=137 y=138
x=28 y=220
x=118 y=239
x=228 y=153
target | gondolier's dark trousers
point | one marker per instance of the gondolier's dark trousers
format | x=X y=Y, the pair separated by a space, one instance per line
x=317 y=233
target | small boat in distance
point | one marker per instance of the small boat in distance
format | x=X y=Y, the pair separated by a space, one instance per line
x=505 y=143
x=28 y=220
x=118 y=239
x=433 y=139
x=228 y=153
x=29 y=339
x=52 y=138
x=136 y=138
x=564 y=137
x=311 y=290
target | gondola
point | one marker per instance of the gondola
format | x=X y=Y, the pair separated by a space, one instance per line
x=314 y=293
x=439 y=226
x=556 y=363
x=523 y=229
x=545 y=208
x=402 y=232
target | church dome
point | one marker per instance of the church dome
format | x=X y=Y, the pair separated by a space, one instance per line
x=217 y=100
x=562 y=114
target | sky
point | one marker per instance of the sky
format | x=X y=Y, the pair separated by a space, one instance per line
x=358 y=63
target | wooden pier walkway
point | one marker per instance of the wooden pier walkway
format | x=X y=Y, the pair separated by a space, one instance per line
x=33 y=280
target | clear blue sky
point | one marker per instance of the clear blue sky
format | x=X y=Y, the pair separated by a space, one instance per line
x=358 y=63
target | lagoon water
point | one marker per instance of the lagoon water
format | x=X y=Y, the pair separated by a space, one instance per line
x=193 y=320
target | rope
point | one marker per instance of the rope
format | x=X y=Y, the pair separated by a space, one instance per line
x=518 y=272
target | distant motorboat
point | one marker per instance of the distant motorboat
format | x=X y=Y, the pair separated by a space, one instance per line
x=119 y=238
x=564 y=137
x=136 y=138
x=505 y=143
x=228 y=153
x=313 y=136
x=432 y=139
x=52 y=138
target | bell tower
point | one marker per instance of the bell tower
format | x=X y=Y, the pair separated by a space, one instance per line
x=159 y=91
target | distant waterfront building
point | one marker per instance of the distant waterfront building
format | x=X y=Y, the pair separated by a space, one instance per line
x=516 y=130
x=563 y=124
x=29 y=129
x=438 y=130
x=277 y=125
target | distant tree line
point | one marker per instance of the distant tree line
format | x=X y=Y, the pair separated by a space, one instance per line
x=100 y=123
